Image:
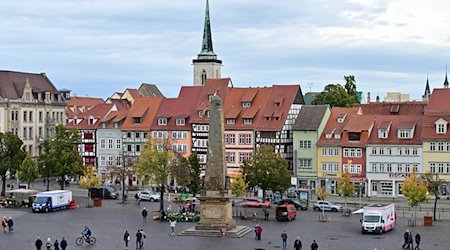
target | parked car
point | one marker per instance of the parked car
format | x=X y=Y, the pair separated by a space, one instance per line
x=327 y=206
x=254 y=202
x=285 y=212
x=148 y=195
x=104 y=193
x=298 y=205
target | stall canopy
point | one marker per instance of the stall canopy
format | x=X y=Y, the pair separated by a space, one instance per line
x=23 y=191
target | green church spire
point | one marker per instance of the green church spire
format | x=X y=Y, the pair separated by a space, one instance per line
x=207 y=46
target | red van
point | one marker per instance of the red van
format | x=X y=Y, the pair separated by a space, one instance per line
x=285 y=212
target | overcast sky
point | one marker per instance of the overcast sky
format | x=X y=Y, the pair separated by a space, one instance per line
x=97 y=47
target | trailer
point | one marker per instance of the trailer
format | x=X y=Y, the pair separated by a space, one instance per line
x=52 y=201
x=378 y=218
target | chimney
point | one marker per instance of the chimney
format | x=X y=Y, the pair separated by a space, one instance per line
x=368 y=97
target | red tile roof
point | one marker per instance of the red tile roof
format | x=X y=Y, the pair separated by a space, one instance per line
x=96 y=114
x=334 y=126
x=84 y=101
x=389 y=108
x=180 y=107
x=359 y=123
x=396 y=121
x=151 y=105
x=439 y=102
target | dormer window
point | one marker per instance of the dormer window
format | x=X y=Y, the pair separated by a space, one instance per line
x=441 y=126
x=337 y=136
x=91 y=121
x=341 y=118
x=354 y=136
x=405 y=133
x=382 y=133
x=136 y=120
x=328 y=135
x=180 y=121
x=231 y=121
x=246 y=104
x=201 y=113
x=210 y=97
x=162 y=121
x=248 y=121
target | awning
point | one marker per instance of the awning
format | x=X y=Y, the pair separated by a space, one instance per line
x=22 y=191
x=359 y=211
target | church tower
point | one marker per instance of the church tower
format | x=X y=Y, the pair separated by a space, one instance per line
x=206 y=65
x=427 y=94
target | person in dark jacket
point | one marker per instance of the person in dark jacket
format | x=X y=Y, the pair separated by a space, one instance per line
x=406 y=239
x=56 y=245
x=10 y=224
x=126 y=238
x=63 y=244
x=144 y=214
x=314 y=245
x=410 y=241
x=417 y=241
x=38 y=243
x=298 y=244
x=138 y=239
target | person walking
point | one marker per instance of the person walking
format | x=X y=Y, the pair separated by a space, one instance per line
x=142 y=239
x=259 y=231
x=48 y=245
x=173 y=223
x=38 y=243
x=410 y=241
x=138 y=239
x=4 y=223
x=314 y=245
x=298 y=244
x=284 y=237
x=10 y=224
x=56 y=245
x=417 y=241
x=126 y=238
x=144 y=214
x=405 y=239
x=63 y=244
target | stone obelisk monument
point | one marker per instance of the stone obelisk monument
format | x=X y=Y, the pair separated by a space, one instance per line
x=215 y=199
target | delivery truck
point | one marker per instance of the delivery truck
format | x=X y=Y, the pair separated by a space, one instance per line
x=52 y=201
x=378 y=218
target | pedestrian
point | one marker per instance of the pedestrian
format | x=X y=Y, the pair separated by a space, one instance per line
x=48 y=244
x=410 y=241
x=10 y=224
x=284 y=237
x=4 y=223
x=417 y=240
x=405 y=239
x=138 y=199
x=38 y=243
x=63 y=244
x=173 y=223
x=142 y=239
x=298 y=244
x=138 y=239
x=259 y=231
x=126 y=238
x=266 y=213
x=314 y=245
x=254 y=216
x=144 y=214
x=56 y=244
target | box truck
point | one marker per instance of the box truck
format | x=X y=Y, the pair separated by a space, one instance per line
x=52 y=200
x=378 y=218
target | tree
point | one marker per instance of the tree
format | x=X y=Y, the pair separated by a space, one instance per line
x=155 y=165
x=322 y=193
x=89 y=179
x=28 y=171
x=267 y=170
x=238 y=186
x=345 y=187
x=195 y=184
x=337 y=95
x=11 y=156
x=433 y=183
x=182 y=171
x=61 y=156
x=414 y=190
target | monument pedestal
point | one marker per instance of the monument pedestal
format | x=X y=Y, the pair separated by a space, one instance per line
x=215 y=211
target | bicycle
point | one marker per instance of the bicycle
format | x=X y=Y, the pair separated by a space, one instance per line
x=79 y=241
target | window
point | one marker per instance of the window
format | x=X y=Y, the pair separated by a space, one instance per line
x=138 y=148
x=441 y=128
x=136 y=120
x=400 y=168
x=118 y=144
x=304 y=163
x=231 y=121
x=337 y=136
x=381 y=151
x=374 y=151
x=388 y=151
x=30 y=118
x=245 y=139
x=230 y=139
x=89 y=147
x=330 y=152
x=244 y=157
x=407 y=168
x=201 y=113
x=374 y=167
x=352 y=168
x=246 y=104
x=382 y=169
x=440 y=147
x=404 y=133
x=102 y=143
x=210 y=97
x=129 y=148
x=432 y=146
x=382 y=133
x=24 y=116
x=88 y=135
x=180 y=121
x=230 y=157
x=110 y=144
x=389 y=168
x=248 y=121
x=352 y=152
x=414 y=151
x=162 y=121
x=305 y=144
x=432 y=167
x=40 y=116
x=354 y=136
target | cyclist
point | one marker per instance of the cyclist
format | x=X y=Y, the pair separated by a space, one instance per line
x=86 y=232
